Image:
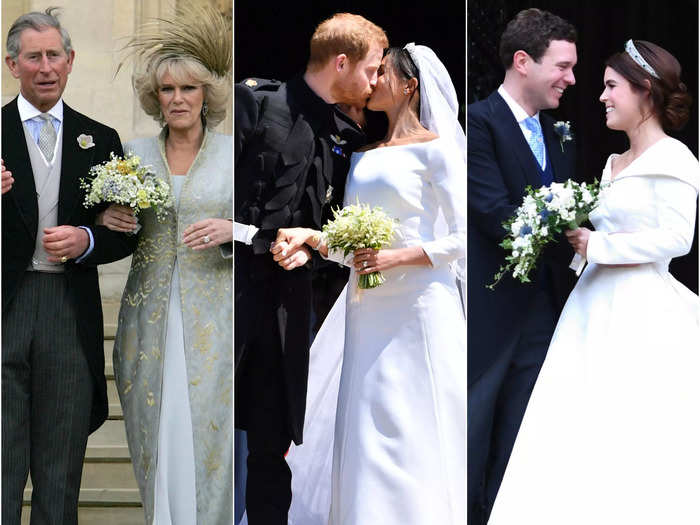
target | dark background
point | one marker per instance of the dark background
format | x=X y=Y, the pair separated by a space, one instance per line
x=271 y=39
x=603 y=28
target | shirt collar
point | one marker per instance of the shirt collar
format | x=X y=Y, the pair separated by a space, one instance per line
x=518 y=112
x=27 y=111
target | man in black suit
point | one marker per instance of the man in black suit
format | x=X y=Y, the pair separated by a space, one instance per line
x=53 y=383
x=292 y=150
x=512 y=144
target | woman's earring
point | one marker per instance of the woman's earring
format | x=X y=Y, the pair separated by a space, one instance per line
x=205 y=108
x=406 y=91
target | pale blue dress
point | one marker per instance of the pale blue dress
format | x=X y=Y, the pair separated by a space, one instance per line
x=175 y=496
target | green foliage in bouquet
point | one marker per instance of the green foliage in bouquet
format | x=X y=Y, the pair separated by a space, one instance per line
x=360 y=226
x=543 y=215
x=123 y=180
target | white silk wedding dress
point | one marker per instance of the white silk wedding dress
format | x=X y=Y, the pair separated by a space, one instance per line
x=612 y=432
x=398 y=456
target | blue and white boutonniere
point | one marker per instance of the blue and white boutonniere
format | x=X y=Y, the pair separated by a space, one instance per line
x=563 y=129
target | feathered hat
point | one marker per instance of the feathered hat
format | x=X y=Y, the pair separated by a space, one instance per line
x=196 y=31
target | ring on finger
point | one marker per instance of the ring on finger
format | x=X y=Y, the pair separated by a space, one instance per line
x=365 y=264
x=206 y=239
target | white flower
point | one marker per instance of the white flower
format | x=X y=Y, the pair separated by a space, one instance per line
x=529 y=206
x=85 y=141
x=516 y=227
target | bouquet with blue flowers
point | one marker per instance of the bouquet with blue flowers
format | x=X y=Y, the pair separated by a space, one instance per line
x=544 y=214
x=123 y=180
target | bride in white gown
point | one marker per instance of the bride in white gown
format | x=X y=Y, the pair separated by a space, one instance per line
x=612 y=431
x=400 y=426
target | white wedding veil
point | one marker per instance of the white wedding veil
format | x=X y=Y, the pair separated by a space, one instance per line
x=311 y=463
x=438 y=99
x=439 y=110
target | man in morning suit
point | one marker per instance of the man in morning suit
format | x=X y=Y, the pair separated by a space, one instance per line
x=512 y=144
x=291 y=154
x=53 y=383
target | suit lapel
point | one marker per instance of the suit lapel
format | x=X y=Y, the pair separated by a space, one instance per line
x=555 y=153
x=75 y=163
x=514 y=135
x=16 y=157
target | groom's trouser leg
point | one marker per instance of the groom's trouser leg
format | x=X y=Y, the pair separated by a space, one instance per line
x=482 y=397
x=268 y=487
x=526 y=362
x=47 y=398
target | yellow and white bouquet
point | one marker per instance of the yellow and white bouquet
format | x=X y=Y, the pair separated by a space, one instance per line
x=360 y=226
x=122 y=180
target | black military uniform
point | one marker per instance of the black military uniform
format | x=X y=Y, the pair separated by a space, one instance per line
x=291 y=158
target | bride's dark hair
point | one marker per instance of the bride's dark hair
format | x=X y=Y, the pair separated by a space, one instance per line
x=669 y=96
x=403 y=64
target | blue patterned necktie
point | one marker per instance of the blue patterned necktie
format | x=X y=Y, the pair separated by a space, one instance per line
x=536 y=140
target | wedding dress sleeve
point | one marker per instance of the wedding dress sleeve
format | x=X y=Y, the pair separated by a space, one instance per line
x=449 y=182
x=675 y=203
x=338 y=257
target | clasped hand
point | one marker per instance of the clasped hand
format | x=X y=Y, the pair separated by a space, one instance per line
x=65 y=241
x=200 y=235
x=289 y=250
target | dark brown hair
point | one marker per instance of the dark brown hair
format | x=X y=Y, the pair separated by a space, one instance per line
x=531 y=31
x=669 y=96
x=402 y=63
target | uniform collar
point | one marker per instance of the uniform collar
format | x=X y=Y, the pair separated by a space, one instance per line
x=314 y=106
x=319 y=111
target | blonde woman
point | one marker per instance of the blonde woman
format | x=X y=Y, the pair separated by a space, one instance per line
x=173 y=349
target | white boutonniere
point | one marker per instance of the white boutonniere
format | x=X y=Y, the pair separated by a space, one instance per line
x=563 y=129
x=85 y=141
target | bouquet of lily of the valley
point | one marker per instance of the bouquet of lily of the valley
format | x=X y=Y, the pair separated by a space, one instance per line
x=360 y=226
x=122 y=180
x=543 y=214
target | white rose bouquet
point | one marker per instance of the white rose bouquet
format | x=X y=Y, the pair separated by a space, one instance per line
x=122 y=180
x=543 y=214
x=360 y=226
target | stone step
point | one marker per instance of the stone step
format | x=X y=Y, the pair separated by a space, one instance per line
x=108 y=513
x=110 y=313
x=111 y=433
x=108 y=474
x=115 y=412
x=112 y=394
x=116 y=452
x=109 y=348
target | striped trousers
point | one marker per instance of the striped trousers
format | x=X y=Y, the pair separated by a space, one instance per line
x=46 y=401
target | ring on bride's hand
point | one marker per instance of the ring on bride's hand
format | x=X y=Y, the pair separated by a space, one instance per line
x=64 y=259
x=365 y=264
x=206 y=239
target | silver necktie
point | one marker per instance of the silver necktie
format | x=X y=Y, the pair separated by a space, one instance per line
x=47 y=137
